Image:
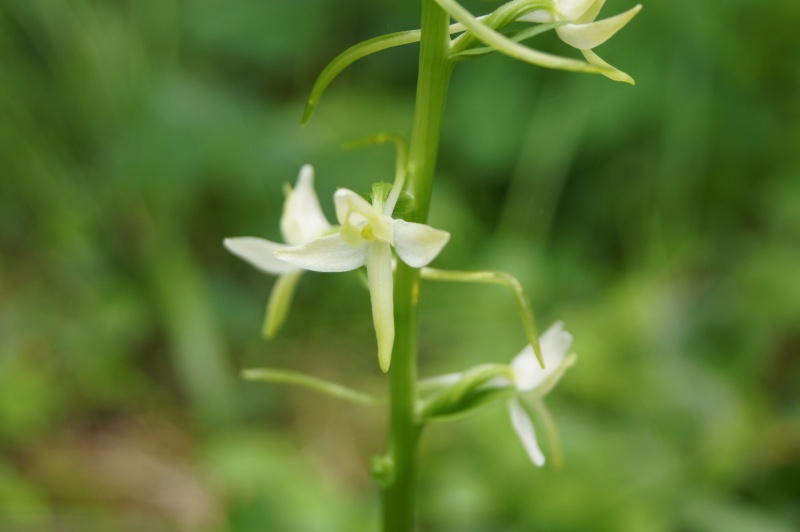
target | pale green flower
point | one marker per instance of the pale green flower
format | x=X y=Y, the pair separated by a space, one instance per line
x=302 y=221
x=455 y=394
x=574 y=19
x=366 y=237
x=533 y=383
x=581 y=31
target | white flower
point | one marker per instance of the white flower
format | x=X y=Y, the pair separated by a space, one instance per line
x=302 y=221
x=523 y=377
x=366 y=236
x=533 y=382
x=581 y=31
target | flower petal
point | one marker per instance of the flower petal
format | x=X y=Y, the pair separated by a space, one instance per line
x=347 y=201
x=327 y=254
x=280 y=300
x=381 y=290
x=556 y=341
x=529 y=375
x=531 y=378
x=574 y=9
x=303 y=219
x=418 y=244
x=353 y=210
x=589 y=12
x=259 y=253
x=571 y=10
x=524 y=429
x=611 y=72
x=587 y=36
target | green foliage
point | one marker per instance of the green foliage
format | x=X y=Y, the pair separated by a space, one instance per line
x=661 y=223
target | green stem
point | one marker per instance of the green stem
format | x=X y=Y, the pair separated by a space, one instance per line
x=434 y=75
x=435 y=68
x=398 y=493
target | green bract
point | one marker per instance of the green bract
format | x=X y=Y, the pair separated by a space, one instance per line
x=501 y=278
x=295 y=378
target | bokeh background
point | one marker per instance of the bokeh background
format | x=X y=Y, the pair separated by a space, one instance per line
x=661 y=222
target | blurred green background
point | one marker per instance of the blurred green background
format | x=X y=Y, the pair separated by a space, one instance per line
x=661 y=222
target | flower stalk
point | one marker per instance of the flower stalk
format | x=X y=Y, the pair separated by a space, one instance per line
x=434 y=76
x=389 y=236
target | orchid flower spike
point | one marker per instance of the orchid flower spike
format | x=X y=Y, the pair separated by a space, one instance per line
x=302 y=221
x=367 y=236
x=581 y=31
x=533 y=382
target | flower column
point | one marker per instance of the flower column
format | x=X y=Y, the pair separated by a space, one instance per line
x=434 y=76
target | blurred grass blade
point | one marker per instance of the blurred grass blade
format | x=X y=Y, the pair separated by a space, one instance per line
x=501 y=278
x=295 y=378
x=199 y=355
